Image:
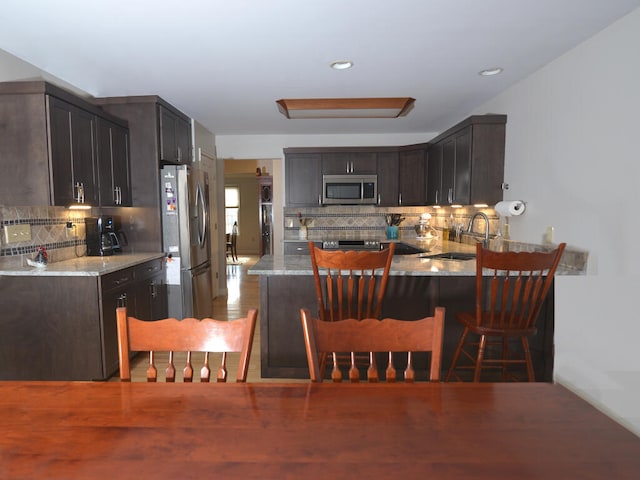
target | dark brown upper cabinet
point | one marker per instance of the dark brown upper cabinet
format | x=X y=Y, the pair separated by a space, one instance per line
x=303 y=179
x=465 y=164
x=387 y=178
x=72 y=137
x=175 y=137
x=49 y=145
x=114 y=172
x=412 y=175
x=345 y=163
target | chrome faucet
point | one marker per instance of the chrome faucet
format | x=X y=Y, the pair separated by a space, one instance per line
x=486 y=226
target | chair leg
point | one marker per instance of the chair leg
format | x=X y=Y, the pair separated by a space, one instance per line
x=456 y=354
x=480 y=358
x=527 y=357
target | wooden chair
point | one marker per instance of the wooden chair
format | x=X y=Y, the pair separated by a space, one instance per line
x=188 y=335
x=232 y=246
x=508 y=302
x=388 y=335
x=352 y=285
x=228 y=244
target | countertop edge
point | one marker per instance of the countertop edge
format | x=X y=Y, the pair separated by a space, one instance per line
x=85 y=266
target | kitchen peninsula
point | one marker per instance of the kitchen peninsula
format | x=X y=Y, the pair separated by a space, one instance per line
x=417 y=284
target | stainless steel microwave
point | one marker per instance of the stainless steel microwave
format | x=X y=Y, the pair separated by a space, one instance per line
x=349 y=189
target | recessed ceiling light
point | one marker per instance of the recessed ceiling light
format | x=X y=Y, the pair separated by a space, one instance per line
x=342 y=64
x=490 y=71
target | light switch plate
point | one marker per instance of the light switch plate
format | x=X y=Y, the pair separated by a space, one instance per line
x=17 y=233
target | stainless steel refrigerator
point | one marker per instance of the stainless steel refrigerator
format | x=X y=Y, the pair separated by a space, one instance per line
x=185 y=231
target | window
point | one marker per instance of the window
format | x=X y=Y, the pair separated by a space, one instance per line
x=231 y=207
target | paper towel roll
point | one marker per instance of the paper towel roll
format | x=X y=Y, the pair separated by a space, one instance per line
x=510 y=208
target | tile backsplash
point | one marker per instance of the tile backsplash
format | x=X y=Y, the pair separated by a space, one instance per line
x=48 y=229
x=368 y=221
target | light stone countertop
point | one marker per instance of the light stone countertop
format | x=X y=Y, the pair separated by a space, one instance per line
x=401 y=265
x=85 y=266
x=573 y=262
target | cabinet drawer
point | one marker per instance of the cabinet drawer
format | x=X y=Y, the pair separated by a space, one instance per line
x=148 y=269
x=117 y=279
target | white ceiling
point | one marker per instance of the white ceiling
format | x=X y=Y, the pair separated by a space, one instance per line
x=225 y=62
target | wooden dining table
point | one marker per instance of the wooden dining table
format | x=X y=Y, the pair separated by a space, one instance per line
x=98 y=430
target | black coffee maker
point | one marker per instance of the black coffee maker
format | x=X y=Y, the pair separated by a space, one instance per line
x=100 y=234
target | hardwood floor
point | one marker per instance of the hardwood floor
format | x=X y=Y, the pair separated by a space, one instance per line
x=243 y=294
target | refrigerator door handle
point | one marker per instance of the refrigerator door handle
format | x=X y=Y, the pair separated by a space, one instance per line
x=202 y=224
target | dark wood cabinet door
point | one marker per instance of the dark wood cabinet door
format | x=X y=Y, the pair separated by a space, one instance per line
x=448 y=170
x=150 y=290
x=303 y=182
x=183 y=141
x=462 y=178
x=434 y=175
x=151 y=298
x=113 y=164
x=175 y=138
x=118 y=290
x=487 y=163
x=472 y=154
x=84 y=153
x=345 y=163
x=61 y=151
x=387 y=179
x=119 y=297
x=121 y=165
x=168 y=141
x=412 y=189
x=72 y=137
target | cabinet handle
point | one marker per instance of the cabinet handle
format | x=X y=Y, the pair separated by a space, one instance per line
x=79 y=196
x=154 y=290
x=122 y=300
x=400 y=199
x=179 y=154
x=450 y=195
x=437 y=192
x=379 y=199
x=320 y=200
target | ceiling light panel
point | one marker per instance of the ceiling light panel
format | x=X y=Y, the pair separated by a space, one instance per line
x=390 y=107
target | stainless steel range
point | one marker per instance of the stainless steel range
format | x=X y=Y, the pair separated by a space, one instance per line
x=351 y=245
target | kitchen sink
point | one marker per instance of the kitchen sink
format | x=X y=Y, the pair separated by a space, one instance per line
x=405 y=249
x=449 y=256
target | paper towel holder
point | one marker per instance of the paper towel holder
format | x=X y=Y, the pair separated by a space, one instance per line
x=509 y=208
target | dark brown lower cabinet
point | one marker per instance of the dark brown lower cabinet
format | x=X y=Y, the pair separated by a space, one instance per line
x=64 y=327
x=282 y=352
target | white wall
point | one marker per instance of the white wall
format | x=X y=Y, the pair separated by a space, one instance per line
x=572 y=155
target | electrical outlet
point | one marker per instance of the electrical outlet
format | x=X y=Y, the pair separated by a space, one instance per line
x=17 y=233
x=70 y=232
